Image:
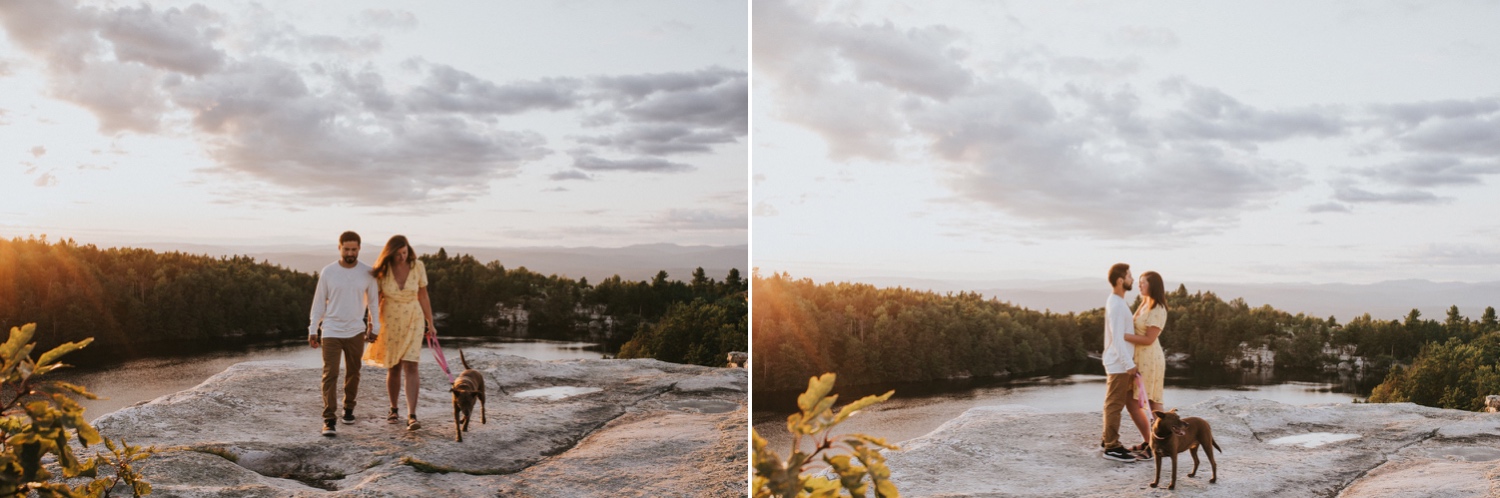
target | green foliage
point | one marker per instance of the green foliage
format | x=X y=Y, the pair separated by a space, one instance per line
x=699 y=332
x=1453 y=374
x=133 y=301
x=41 y=419
x=802 y=328
x=816 y=419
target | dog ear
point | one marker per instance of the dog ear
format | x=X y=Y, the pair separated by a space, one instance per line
x=1174 y=411
x=1158 y=413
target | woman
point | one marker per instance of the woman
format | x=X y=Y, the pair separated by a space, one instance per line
x=405 y=313
x=1150 y=318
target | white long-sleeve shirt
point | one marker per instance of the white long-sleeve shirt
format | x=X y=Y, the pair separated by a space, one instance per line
x=1119 y=355
x=341 y=301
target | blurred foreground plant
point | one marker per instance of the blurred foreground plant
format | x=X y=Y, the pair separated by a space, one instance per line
x=37 y=418
x=774 y=477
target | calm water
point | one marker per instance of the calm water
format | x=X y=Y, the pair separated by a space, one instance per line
x=918 y=408
x=135 y=381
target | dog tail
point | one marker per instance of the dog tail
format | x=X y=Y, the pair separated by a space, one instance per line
x=464 y=361
x=1216 y=445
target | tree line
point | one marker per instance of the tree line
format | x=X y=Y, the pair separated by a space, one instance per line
x=138 y=302
x=872 y=335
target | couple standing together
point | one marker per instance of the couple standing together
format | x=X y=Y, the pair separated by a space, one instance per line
x=386 y=306
x=1133 y=360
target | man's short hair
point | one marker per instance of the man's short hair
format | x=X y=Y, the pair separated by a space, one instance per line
x=348 y=236
x=1117 y=272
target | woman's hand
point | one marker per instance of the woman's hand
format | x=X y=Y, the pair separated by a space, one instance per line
x=431 y=330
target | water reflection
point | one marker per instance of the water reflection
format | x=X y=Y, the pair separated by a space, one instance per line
x=135 y=381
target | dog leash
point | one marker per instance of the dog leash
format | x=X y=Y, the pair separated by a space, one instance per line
x=437 y=354
x=1140 y=389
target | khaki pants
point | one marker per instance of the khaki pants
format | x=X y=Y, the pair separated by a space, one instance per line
x=349 y=350
x=1118 y=391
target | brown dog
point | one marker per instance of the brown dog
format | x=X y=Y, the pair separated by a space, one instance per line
x=468 y=387
x=1171 y=435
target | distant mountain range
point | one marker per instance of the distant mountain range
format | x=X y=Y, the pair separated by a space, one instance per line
x=638 y=262
x=1384 y=300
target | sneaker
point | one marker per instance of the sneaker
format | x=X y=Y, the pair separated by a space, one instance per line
x=328 y=428
x=348 y=415
x=1119 y=454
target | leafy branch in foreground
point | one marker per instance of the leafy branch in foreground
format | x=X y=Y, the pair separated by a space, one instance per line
x=37 y=418
x=774 y=477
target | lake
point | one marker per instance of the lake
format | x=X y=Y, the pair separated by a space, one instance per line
x=134 y=381
x=918 y=408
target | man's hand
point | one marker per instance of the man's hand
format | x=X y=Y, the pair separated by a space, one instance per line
x=312 y=341
x=1133 y=371
x=369 y=337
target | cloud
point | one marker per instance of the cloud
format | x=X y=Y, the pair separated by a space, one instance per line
x=451 y=90
x=392 y=19
x=1328 y=207
x=663 y=139
x=1207 y=113
x=635 y=165
x=714 y=98
x=46 y=180
x=38 y=151
x=570 y=175
x=1144 y=37
x=301 y=116
x=1356 y=195
x=179 y=40
x=701 y=219
x=1432 y=171
x=1455 y=255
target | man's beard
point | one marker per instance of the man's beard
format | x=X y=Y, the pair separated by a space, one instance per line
x=1129 y=286
x=349 y=260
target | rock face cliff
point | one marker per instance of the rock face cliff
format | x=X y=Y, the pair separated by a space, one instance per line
x=565 y=428
x=1270 y=449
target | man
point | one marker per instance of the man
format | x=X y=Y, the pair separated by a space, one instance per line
x=1119 y=362
x=346 y=307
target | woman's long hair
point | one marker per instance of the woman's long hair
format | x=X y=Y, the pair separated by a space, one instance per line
x=1158 y=292
x=388 y=256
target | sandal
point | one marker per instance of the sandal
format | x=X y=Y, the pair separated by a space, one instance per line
x=393 y=417
x=412 y=424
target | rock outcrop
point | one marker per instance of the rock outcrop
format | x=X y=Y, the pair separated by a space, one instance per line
x=1270 y=449
x=630 y=428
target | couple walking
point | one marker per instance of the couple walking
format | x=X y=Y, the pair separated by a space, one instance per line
x=386 y=306
x=1133 y=360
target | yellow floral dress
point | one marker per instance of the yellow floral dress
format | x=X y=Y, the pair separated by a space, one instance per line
x=1151 y=361
x=402 y=323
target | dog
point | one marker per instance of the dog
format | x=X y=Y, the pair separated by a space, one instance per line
x=1171 y=435
x=468 y=387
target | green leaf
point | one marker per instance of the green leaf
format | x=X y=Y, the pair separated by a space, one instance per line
x=57 y=352
x=853 y=408
x=817 y=388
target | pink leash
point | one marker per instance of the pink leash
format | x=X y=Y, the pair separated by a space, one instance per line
x=1140 y=389
x=437 y=354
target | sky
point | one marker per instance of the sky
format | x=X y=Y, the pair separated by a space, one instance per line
x=491 y=124
x=1249 y=141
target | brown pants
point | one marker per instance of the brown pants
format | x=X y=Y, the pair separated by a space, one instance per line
x=1118 y=391
x=350 y=350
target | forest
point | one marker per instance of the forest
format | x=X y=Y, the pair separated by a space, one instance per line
x=138 y=302
x=870 y=335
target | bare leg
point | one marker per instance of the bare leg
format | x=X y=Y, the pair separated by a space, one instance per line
x=393 y=384
x=1138 y=415
x=411 y=387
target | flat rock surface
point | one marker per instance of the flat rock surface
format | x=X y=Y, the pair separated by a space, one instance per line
x=1270 y=449
x=651 y=429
